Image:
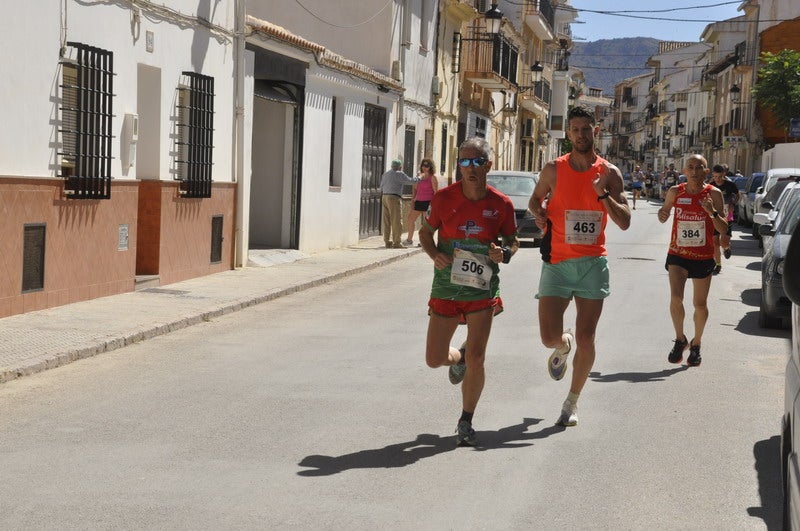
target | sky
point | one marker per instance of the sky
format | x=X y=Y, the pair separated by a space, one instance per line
x=665 y=28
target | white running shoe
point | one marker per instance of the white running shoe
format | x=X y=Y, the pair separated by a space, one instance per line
x=557 y=364
x=569 y=414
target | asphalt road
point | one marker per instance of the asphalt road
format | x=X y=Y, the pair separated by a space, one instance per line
x=317 y=411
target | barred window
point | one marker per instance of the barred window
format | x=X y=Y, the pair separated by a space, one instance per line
x=195 y=139
x=86 y=116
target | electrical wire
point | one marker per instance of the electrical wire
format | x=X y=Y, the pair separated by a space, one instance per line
x=370 y=19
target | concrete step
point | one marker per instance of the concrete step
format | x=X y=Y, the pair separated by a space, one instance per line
x=146 y=281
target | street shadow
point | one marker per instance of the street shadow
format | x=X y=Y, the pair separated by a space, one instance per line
x=753 y=266
x=748 y=324
x=636 y=377
x=752 y=297
x=423 y=446
x=768 y=469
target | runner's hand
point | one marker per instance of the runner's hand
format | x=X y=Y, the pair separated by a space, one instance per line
x=495 y=253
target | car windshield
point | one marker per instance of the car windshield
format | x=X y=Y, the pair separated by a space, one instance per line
x=775 y=192
x=787 y=193
x=790 y=215
x=756 y=182
x=512 y=184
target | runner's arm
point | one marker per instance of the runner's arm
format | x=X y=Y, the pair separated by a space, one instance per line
x=611 y=188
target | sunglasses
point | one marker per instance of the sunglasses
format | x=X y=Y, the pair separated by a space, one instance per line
x=477 y=161
x=425 y=165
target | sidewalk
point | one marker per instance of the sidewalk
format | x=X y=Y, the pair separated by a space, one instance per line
x=45 y=339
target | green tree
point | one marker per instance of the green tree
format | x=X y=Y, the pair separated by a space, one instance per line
x=778 y=85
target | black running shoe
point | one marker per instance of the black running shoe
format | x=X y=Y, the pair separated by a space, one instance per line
x=676 y=356
x=694 y=358
x=465 y=435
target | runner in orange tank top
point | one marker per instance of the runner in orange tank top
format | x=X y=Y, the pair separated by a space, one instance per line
x=573 y=200
x=698 y=208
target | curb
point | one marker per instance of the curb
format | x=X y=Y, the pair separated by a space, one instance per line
x=108 y=345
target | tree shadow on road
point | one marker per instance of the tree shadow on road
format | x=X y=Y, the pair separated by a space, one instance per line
x=636 y=377
x=768 y=468
x=423 y=446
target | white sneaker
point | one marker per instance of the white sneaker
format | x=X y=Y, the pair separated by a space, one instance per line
x=569 y=414
x=557 y=364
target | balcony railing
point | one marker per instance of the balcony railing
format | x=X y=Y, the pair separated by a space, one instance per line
x=489 y=63
x=542 y=9
x=704 y=129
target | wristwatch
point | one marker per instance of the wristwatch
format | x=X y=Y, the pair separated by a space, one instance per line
x=605 y=195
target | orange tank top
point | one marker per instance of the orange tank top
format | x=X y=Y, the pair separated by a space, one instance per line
x=576 y=219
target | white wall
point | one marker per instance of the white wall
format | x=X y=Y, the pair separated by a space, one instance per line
x=330 y=216
x=781 y=156
x=773 y=12
x=28 y=140
x=362 y=31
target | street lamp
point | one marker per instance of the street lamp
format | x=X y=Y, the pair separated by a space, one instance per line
x=536 y=72
x=494 y=19
x=536 y=77
x=736 y=93
x=572 y=96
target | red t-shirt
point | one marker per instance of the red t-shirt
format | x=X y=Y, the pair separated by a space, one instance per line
x=470 y=226
x=692 y=228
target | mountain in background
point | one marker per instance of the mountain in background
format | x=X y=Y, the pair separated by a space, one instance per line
x=607 y=62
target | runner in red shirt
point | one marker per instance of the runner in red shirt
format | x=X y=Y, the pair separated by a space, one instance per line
x=698 y=213
x=470 y=217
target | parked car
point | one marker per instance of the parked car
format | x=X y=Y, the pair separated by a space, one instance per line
x=518 y=186
x=790 y=432
x=775 y=309
x=773 y=177
x=746 y=197
x=786 y=192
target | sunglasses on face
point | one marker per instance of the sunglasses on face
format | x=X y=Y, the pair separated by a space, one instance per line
x=426 y=165
x=477 y=162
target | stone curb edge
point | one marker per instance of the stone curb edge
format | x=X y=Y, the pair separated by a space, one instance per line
x=63 y=358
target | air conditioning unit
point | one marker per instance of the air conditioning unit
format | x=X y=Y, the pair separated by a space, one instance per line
x=396 y=73
x=435 y=89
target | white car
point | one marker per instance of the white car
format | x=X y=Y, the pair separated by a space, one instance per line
x=770 y=179
x=518 y=186
x=790 y=432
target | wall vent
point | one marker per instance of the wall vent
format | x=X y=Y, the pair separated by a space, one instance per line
x=216 y=239
x=33 y=258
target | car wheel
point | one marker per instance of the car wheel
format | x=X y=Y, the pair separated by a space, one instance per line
x=764 y=320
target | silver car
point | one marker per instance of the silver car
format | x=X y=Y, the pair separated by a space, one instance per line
x=772 y=178
x=746 y=197
x=518 y=186
x=790 y=432
x=775 y=309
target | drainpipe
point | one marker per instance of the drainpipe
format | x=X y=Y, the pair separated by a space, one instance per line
x=241 y=236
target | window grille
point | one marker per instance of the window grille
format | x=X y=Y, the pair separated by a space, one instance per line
x=85 y=128
x=195 y=134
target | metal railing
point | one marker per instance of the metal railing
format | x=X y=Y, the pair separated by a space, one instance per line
x=86 y=116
